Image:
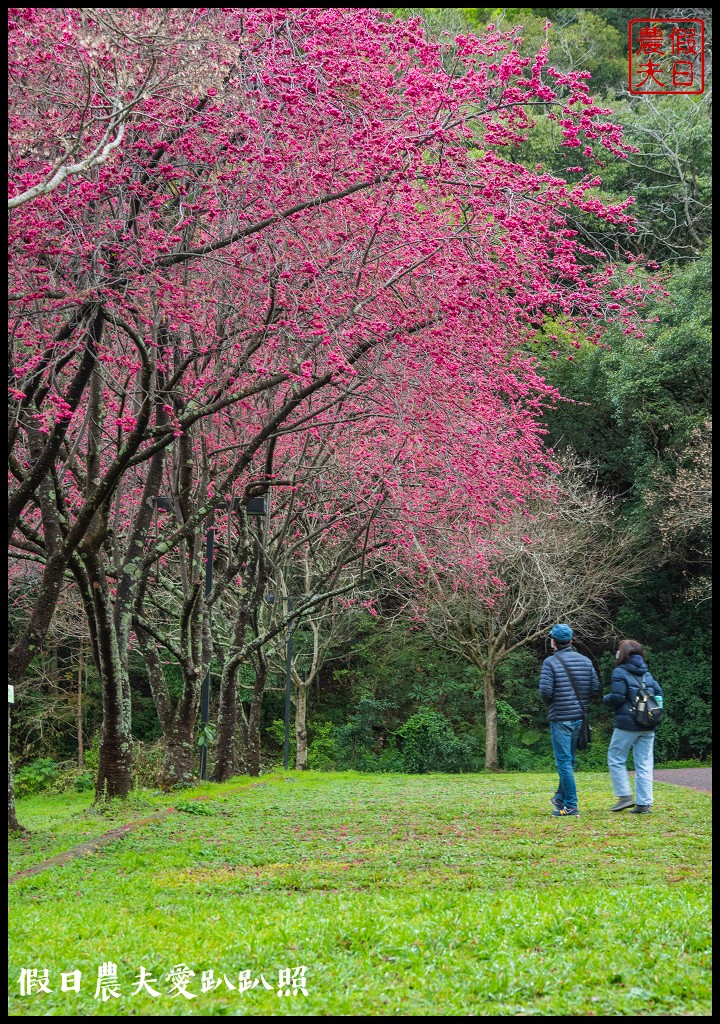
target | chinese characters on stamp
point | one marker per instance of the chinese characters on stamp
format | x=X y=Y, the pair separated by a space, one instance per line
x=666 y=56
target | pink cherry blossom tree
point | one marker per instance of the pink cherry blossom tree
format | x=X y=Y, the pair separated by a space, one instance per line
x=320 y=221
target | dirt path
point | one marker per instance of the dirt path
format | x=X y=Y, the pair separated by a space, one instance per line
x=108 y=837
x=88 y=847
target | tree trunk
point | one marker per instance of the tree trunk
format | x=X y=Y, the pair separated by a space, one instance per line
x=13 y=824
x=177 y=722
x=178 y=762
x=178 y=766
x=252 y=755
x=301 y=694
x=491 y=730
x=114 y=778
x=252 y=750
x=227 y=717
x=81 y=665
x=242 y=739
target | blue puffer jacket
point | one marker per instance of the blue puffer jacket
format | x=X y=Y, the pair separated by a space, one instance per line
x=624 y=689
x=557 y=690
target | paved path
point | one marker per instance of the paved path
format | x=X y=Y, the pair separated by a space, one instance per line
x=693 y=778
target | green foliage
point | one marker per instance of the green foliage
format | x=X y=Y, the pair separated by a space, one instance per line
x=578 y=38
x=404 y=668
x=659 y=384
x=687 y=763
x=92 y=753
x=78 y=780
x=531 y=737
x=194 y=807
x=634 y=407
x=323 y=749
x=671 y=174
x=362 y=738
x=84 y=783
x=39 y=775
x=145 y=723
x=206 y=735
x=687 y=727
x=428 y=744
x=276 y=734
x=44 y=716
x=507 y=715
x=520 y=759
x=517 y=680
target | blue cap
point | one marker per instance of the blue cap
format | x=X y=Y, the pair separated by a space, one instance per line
x=562 y=633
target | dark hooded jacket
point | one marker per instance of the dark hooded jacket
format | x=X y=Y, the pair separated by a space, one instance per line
x=624 y=687
x=557 y=691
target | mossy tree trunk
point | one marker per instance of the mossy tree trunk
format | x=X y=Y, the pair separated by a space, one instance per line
x=13 y=824
x=253 y=749
x=227 y=719
x=114 y=778
x=491 y=719
x=177 y=721
x=301 y=744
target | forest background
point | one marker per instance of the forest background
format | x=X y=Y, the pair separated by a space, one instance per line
x=385 y=686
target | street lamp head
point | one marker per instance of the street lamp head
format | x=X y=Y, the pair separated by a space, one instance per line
x=256 y=506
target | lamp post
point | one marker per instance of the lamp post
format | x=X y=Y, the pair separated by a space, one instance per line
x=270 y=598
x=253 y=507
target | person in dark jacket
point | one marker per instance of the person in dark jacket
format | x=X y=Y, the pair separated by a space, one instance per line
x=566 y=710
x=628 y=734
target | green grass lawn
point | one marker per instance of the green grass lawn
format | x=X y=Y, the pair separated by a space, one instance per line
x=457 y=895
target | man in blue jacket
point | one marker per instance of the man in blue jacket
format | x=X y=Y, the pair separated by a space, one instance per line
x=567 y=705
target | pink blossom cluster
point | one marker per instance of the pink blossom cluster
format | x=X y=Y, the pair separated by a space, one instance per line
x=313 y=232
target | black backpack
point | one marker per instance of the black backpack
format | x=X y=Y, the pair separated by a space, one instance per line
x=644 y=709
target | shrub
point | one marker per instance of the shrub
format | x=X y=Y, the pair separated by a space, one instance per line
x=430 y=745
x=594 y=757
x=147 y=763
x=323 y=750
x=36 y=777
x=521 y=759
x=390 y=759
x=685 y=764
x=80 y=780
x=276 y=734
x=362 y=739
x=84 y=783
x=92 y=754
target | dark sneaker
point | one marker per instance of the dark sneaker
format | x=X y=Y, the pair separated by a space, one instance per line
x=566 y=812
x=557 y=804
x=623 y=803
x=642 y=809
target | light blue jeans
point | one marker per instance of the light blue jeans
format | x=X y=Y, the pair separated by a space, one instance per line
x=641 y=744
